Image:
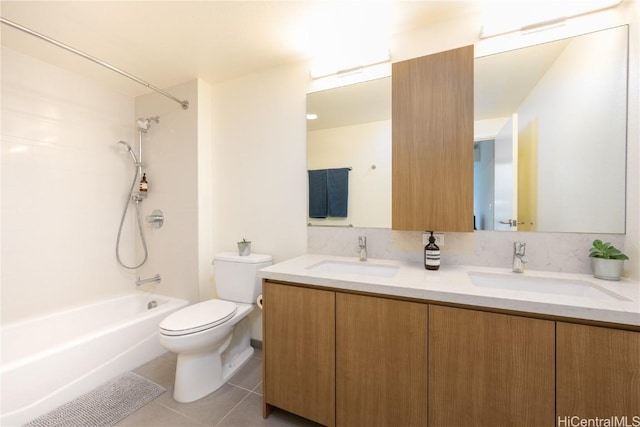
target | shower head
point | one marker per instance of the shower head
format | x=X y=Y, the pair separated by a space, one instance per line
x=130 y=150
x=143 y=125
x=127 y=146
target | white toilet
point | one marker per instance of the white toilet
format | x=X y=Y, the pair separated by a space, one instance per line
x=212 y=338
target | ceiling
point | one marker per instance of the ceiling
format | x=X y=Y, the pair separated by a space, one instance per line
x=170 y=42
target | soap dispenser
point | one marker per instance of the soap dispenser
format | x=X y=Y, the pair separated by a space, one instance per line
x=432 y=254
x=144 y=186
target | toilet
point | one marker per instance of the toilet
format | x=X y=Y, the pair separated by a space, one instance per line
x=212 y=338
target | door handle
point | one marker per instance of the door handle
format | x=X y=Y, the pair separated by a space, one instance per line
x=512 y=222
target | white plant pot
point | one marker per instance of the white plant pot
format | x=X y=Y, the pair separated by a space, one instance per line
x=607 y=269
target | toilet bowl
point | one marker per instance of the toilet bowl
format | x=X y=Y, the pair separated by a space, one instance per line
x=213 y=338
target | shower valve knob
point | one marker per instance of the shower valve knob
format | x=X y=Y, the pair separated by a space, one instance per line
x=156 y=219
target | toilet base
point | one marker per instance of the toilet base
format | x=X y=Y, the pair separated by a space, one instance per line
x=199 y=374
x=229 y=369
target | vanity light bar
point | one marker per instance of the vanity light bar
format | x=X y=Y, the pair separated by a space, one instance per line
x=546 y=24
x=323 y=70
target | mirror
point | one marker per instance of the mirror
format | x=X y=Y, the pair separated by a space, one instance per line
x=353 y=129
x=550 y=139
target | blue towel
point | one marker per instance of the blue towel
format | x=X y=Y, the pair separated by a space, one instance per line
x=318 y=193
x=337 y=192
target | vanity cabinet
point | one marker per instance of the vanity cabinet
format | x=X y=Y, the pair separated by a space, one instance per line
x=432 y=142
x=348 y=359
x=598 y=373
x=299 y=351
x=489 y=369
x=344 y=359
x=381 y=362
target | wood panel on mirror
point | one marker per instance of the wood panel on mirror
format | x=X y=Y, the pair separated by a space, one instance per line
x=432 y=142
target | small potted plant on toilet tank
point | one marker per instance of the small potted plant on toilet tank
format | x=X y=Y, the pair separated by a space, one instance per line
x=244 y=247
x=607 y=261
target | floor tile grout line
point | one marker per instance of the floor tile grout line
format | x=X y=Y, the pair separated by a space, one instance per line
x=232 y=409
x=178 y=412
x=249 y=392
x=243 y=388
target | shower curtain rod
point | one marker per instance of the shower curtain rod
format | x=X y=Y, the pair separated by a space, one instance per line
x=184 y=104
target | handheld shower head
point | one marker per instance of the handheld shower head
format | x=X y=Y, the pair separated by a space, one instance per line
x=130 y=150
x=127 y=146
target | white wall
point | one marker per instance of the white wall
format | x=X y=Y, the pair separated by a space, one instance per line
x=205 y=189
x=170 y=157
x=64 y=183
x=360 y=147
x=258 y=160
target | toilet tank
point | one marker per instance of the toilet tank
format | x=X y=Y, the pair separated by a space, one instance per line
x=237 y=276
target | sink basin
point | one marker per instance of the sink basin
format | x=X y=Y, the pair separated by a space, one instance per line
x=361 y=268
x=546 y=285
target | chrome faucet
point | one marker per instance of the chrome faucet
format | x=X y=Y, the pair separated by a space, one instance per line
x=362 y=247
x=519 y=258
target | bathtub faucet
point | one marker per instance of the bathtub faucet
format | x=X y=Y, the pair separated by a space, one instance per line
x=155 y=278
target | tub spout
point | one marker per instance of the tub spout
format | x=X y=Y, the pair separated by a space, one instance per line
x=155 y=278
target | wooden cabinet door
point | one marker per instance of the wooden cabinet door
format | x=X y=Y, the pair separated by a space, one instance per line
x=488 y=369
x=381 y=362
x=598 y=373
x=299 y=351
x=432 y=142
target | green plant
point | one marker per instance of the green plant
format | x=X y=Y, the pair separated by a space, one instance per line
x=605 y=250
x=244 y=241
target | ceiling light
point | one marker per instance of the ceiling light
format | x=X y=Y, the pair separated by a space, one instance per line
x=312 y=116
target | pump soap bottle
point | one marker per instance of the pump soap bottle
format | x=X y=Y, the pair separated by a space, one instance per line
x=144 y=186
x=432 y=254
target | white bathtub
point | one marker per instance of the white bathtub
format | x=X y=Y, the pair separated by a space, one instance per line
x=50 y=360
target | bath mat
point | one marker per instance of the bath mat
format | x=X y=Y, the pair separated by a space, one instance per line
x=103 y=406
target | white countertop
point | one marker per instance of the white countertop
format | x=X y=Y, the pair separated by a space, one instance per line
x=452 y=284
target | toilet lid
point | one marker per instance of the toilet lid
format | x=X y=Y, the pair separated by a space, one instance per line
x=198 y=317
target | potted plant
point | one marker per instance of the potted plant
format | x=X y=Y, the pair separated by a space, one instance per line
x=606 y=260
x=244 y=247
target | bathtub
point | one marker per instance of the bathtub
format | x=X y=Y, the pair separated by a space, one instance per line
x=50 y=360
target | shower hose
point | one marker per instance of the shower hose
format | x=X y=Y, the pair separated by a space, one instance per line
x=124 y=214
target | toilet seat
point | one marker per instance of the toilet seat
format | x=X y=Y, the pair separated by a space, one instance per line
x=198 y=317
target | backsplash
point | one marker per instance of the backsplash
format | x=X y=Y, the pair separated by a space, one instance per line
x=562 y=252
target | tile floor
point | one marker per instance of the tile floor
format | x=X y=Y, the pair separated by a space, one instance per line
x=237 y=403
